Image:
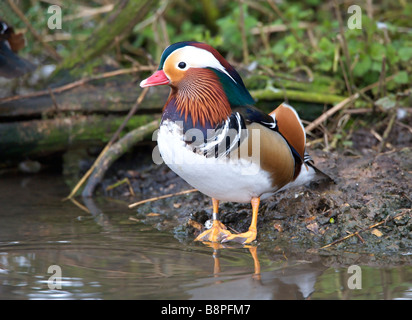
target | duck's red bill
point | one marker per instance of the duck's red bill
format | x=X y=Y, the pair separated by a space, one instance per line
x=156 y=79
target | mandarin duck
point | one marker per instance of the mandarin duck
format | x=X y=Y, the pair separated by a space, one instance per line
x=11 y=65
x=212 y=135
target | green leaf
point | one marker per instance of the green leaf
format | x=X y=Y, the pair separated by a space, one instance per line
x=387 y=102
x=405 y=53
x=279 y=48
x=401 y=77
x=376 y=66
x=326 y=45
x=377 y=50
x=392 y=54
x=363 y=66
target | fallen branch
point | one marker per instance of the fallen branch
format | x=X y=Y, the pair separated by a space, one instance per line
x=76 y=83
x=366 y=229
x=279 y=94
x=20 y=140
x=161 y=197
x=114 y=138
x=114 y=152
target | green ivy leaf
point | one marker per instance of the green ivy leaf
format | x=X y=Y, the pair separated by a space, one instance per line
x=405 y=53
x=363 y=66
x=401 y=77
x=377 y=50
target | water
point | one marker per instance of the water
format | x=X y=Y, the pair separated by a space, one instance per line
x=103 y=254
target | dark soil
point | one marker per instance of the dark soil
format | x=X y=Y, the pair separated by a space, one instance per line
x=371 y=187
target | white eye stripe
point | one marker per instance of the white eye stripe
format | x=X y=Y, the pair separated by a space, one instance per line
x=198 y=58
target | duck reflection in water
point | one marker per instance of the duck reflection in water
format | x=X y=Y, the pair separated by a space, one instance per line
x=293 y=278
x=216 y=253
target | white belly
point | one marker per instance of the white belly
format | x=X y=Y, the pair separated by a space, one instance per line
x=225 y=179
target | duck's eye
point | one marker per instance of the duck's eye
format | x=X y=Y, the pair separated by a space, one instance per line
x=182 y=65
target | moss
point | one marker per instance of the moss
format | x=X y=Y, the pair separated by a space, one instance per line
x=23 y=139
x=294 y=95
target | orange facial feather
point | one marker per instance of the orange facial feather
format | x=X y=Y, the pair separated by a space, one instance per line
x=201 y=95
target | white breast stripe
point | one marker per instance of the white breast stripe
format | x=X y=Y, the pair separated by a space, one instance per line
x=235 y=134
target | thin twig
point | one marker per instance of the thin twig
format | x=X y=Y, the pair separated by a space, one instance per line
x=376 y=135
x=243 y=32
x=358 y=235
x=161 y=197
x=382 y=84
x=375 y=84
x=344 y=44
x=403 y=125
x=279 y=28
x=265 y=39
x=386 y=132
x=163 y=27
x=345 y=76
x=330 y=112
x=369 y=9
x=159 y=12
x=86 y=175
x=119 y=183
x=56 y=106
x=78 y=204
x=358 y=111
x=89 y=12
x=129 y=115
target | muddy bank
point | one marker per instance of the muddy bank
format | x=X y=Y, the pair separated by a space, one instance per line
x=371 y=188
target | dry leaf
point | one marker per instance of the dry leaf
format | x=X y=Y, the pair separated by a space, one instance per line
x=377 y=233
x=313 y=227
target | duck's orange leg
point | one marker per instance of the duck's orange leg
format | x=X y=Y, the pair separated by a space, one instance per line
x=218 y=231
x=250 y=235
